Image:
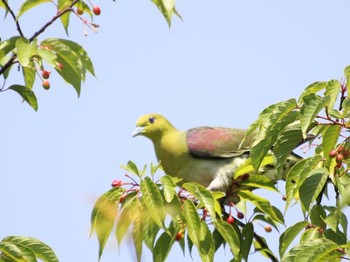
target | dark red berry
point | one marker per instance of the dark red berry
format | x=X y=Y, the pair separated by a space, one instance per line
x=346 y=154
x=284 y=198
x=179 y=236
x=245 y=177
x=96 y=10
x=45 y=74
x=240 y=215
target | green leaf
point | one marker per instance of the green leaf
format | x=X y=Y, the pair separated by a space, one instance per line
x=62 y=5
x=332 y=90
x=312 y=89
x=103 y=215
x=247 y=240
x=168 y=188
x=281 y=115
x=289 y=235
x=310 y=234
x=167 y=8
x=204 y=196
x=207 y=246
x=317 y=216
x=312 y=186
x=27 y=94
x=29 y=76
x=131 y=167
x=32 y=245
x=126 y=216
x=230 y=236
x=192 y=222
x=162 y=247
x=25 y=51
x=150 y=231
x=29 y=4
x=137 y=233
x=263 y=204
x=48 y=56
x=312 y=105
x=259 y=181
x=287 y=140
x=296 y=176
x=153 y=201
x=12 y=251
x=8 y=45
x=330 y=138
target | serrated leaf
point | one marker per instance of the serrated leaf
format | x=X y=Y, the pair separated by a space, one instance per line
x=207 y=247
x=330 y=138
x=296 y=176
x=168 y=188
x=162 y=247
x=259 y=181
x=312 y=186
x=25 y=51
x=230 y=236
x=247 y=240
x=29 y=76
x=261 y=203
x=287 y=140
x=40 y=250
x=137 y=234
x=29 y=4
x=167 y=8
x=153 y=201
x=332 y=90
x=205 y=198
x=289 y=235
x=131 y=167
x=281 y=115
x=27 y=94
x=192 y=222
x=7 y=46
x=103 y=215
x=312 y=89
x=312 y=105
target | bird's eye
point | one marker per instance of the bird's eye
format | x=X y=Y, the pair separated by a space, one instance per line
x=151 y=119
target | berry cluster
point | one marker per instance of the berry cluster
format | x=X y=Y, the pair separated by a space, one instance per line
x=45 y=74
x=95 y=9
x=340 y=154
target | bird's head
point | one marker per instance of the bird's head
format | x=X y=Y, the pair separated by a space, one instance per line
x=152 y=126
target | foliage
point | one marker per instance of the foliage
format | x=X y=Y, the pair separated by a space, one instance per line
x=158 y=213
x=21 y=249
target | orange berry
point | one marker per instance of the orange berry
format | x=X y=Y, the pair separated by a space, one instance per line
x=268 y=229
x=179 y=236
x=96 y=10
x=46 y=84
x=45 y=74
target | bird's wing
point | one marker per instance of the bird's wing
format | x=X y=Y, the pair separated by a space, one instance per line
x=216 y=142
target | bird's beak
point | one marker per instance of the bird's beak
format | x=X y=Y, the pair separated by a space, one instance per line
x=138 y=130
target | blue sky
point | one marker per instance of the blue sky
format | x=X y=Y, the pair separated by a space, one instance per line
x=221 y=66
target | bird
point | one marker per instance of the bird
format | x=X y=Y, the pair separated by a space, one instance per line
x=205 y=155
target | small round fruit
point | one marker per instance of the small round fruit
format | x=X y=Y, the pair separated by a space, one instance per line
x=333 y=153
x=339 y=158
x=179 y=236
x=240 y=215
x=340 y=149
x=230 y=219
x=46 y=84
x=116 y=183
x=80 y=11
x=268 y=229
x=121 y=199
x=284 y=198
x=346 y=154
x=339 y=165
x=45 y=74
x=244 y=177
x=96 y=10
x=59 y=66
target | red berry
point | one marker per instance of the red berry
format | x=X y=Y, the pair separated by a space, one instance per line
x=333 y=153
x=340 y=149
x=59 y=66
x=268 y=229
x=230 y=219
x=46 y=84
x=346 y=154
x=240 y=215
x=80 y=11
x=244 y=177
x=179 y=236
x=116 y=183
x=45 y=74
x=339 y=165
x=284 y=198
x=121 y=199
x=96 y=10
x=339 y=158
